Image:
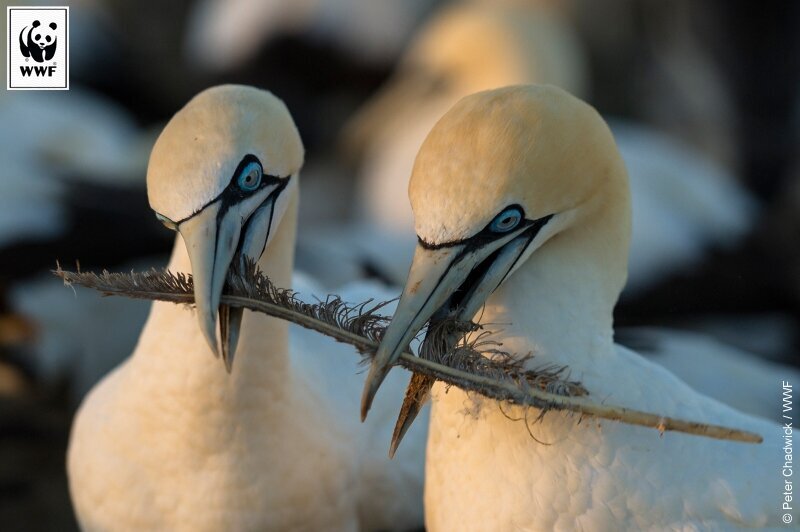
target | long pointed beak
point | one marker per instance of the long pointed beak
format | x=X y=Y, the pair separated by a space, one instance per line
x=253 y=241
x=211 y=241
x=214 y=237
x=418 y=391
x=230 y=323
x=435 y=276
x=460 y=277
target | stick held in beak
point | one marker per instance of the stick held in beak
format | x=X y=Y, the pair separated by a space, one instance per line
x=437 y=273
x=417 y=394
x=424 y=293
x=419 y=387
x=222 y=232
x=253 y=241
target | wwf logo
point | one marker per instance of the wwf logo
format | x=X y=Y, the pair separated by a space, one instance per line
x=38 y=48
x=39 y=42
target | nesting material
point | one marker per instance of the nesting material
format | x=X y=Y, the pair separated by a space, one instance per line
x=474 y=366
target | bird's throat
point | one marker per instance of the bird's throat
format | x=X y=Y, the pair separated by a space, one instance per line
x=172 y=352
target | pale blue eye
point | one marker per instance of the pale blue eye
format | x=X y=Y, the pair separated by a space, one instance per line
x=250 y=178
x=506 y=220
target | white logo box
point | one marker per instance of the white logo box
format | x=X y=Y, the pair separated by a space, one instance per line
x=41 y=60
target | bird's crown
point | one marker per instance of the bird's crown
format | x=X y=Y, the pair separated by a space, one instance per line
x=203 y=145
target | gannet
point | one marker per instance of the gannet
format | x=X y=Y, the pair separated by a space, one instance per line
x=684 y=203
x=171 y=441
x=522 y=212
x=465 y=47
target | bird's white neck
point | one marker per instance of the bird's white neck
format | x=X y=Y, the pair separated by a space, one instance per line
x=559 y=304
x=173 y=356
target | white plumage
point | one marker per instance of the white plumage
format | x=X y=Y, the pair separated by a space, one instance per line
x=743 y=381
x=543 y=211
x=169 y=440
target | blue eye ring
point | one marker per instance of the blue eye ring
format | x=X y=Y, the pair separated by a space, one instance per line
x=506 y=220
x=250 y=177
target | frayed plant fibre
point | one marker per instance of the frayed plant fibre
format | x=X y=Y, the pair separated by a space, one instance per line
x=474 y=363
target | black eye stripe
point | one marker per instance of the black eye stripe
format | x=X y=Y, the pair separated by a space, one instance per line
x=232 y=194
x=486 y=235
x=480 y=239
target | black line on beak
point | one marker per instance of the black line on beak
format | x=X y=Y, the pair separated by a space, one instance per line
x=474 y=277
x=272 y=198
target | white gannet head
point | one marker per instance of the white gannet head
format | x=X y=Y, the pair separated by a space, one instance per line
x=473 y=46
x=499 y=175
x=218 y=175
x=468 y=47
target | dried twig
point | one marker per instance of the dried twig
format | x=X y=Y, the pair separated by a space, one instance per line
x=498 y=376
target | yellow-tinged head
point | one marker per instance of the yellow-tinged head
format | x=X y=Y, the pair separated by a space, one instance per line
x=467 y=47
x=218 y=174
x=199 y=149
x=499 y=175
x=472 y=46
x=532 y=145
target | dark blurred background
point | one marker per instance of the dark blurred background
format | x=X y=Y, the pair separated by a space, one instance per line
x=704 y=95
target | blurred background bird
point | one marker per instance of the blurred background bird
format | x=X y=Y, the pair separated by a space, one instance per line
x=703 y=96
x=683 y=203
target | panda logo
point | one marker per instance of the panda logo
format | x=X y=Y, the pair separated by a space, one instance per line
x=40 y=42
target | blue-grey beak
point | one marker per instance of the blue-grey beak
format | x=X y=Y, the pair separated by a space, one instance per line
x=214 y=238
